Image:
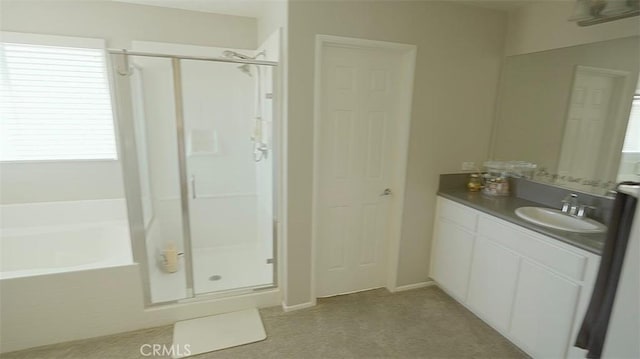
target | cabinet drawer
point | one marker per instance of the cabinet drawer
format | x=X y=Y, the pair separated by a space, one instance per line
x=533 y=247
x=458 y=214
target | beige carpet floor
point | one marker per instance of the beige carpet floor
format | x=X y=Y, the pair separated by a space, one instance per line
x=421 y=323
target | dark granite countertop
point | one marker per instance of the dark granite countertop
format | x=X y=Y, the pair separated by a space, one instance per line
x=504 y=208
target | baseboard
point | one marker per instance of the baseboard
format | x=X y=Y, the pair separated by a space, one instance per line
x=290 y=308
x=414 y=286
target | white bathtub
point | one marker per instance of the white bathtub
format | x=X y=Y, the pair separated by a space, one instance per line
x=54 y=249
x=55 y=237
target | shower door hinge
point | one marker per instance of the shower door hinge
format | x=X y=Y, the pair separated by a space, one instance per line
x=270 y=261
x=268 y=95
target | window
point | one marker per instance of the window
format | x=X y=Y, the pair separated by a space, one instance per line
x=54 y=99
x=632 y=138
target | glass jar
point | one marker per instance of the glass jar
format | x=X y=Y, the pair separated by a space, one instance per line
x=498 y=186
x=475 y=183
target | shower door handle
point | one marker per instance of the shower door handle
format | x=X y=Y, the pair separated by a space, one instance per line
x=193 y=187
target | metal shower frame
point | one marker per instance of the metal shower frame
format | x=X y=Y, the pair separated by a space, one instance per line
x=130 y=166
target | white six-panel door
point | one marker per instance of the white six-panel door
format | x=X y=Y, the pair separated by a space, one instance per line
x=359 y=110
x=586 y=127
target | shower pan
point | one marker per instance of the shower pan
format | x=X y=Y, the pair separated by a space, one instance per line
x=197 y=134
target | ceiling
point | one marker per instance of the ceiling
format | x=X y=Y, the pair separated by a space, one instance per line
x=249 y=8
x=504 y=5
x=256 y=8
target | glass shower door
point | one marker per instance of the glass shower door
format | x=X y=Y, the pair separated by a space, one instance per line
x=198 y=162
x=227 y=135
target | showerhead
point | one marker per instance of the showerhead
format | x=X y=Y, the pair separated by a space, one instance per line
x=245 y=69
x=230 y=54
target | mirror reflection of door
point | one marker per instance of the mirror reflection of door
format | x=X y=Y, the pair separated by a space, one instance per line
x=589 y=145
x=538 y=108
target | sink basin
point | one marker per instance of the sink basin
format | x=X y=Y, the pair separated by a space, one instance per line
x=554 y=218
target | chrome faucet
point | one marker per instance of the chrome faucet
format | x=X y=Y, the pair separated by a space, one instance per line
x=572 y=207
x=582 y=211
x=570 y=204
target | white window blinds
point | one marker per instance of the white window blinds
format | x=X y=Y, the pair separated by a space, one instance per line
x=54 y=102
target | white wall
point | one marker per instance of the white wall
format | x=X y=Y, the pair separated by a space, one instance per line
x=543 y=25
x=274 y=16
x=460 y=49
x=119 y=24
x=50 y=181
x=62 y=213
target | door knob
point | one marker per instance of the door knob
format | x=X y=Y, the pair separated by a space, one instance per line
x=386 y=192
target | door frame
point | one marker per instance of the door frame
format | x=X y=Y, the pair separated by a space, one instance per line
x=400 y=155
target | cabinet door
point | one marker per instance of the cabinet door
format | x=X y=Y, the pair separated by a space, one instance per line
x=451 y=257
x=493 y=282
x=543 y=311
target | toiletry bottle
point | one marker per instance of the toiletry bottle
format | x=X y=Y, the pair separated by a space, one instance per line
x=475 y=183
x=170 y=258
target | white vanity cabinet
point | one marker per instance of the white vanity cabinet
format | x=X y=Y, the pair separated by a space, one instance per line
x=531 y=288
x=451 y=259
x=492 y=282
x=543 y=311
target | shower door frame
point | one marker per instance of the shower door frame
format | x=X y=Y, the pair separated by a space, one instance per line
x=130 y=164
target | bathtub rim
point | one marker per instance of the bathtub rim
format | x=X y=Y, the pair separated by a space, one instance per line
x=125 y=258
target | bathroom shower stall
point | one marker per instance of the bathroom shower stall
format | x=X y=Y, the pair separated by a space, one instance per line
x=196 y=130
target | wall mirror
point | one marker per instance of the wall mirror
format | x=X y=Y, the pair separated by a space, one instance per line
x=573 y=111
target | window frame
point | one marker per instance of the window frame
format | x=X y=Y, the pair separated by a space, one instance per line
x=636 y=97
